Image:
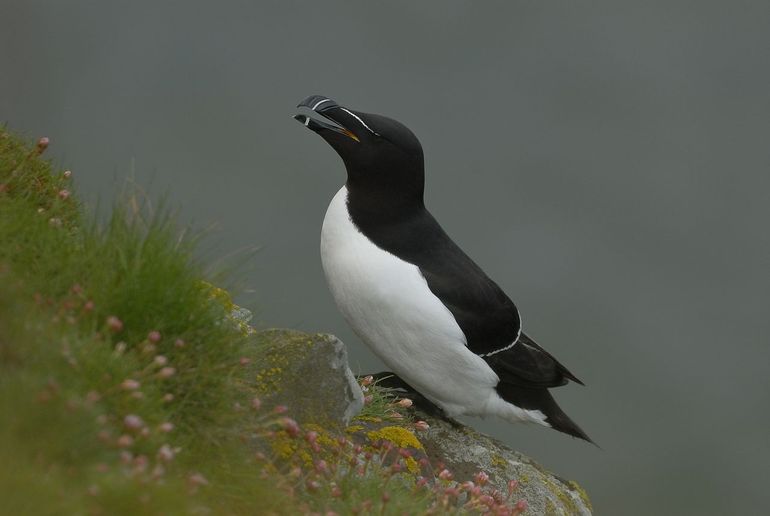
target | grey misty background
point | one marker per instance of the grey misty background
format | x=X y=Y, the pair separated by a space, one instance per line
x=607 y=164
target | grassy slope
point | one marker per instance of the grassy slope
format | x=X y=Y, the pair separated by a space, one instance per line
x=122 y=385
x=83 y=309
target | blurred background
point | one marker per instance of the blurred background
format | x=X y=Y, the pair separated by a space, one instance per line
x=607 y=163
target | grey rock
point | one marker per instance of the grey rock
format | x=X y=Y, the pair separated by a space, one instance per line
x=465 y=452
x=309 y=374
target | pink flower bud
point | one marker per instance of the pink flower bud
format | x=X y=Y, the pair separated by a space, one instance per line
x=289 y=426
x=154 y=336
x=165 y=453
x=512 y=485
x=88 y=306
x=133 y=422
x=322 y=467
x=179 y=343
x=166 y=427
x=114 y=324
x=160 y=360
x=520 y=507
x=256 y=403
x=64 y=194
x=404 y=402
x=67 y=174
x=481 y=478
x=196 y=479
x=404 y=453
x=445 y=474
x=42 y=144
x=311 y=436
x=281 y=409
x=421 y=425
x=124 y=441
x=167 y=372
x=421 y=481
x=367 y=380
x=130 y=384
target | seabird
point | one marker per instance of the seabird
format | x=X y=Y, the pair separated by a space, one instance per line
x=411 y=294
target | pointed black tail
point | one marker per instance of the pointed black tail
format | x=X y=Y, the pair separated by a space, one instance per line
x=540 y=399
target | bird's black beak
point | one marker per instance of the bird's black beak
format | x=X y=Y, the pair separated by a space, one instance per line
x=317 y=112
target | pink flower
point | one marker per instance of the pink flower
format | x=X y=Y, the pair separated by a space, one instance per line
x=311 y=436
x=179 y=343
x=88 y=306
x=421 y=425
x=154 y=336
x=67 y=174
x=256 y=403
x=196 y=479
x=367 y=380
x=165 y=453
x=114 y=324
x=520 y=507
x=445 y=474
x=166 y=427
x=167 y=372
x=404 y=402
x=512 y=485
x=421 y=481
x=481 y=478
x=160 y=360
x=124 y=441
x=130 y=384
x=64 y=194
x=133 y=422
x=42 y=144
x=281 y=409
x=289 y=426
x=322 y=467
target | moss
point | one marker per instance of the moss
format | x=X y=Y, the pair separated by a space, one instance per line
x=581 y=492
x=498 y=461
x=412 y=465
x=398 y=435
x=567 y=502
x=352 y=429
x=368 y=419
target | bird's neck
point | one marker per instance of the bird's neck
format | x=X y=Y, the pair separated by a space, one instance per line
x=380 y=205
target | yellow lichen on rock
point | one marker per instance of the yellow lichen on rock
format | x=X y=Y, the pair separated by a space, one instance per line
x=398 y=435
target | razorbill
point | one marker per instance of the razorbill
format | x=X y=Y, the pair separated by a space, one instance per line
x=411 y=294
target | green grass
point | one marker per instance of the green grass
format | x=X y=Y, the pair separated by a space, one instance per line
x=63 y=368
x=122 y=387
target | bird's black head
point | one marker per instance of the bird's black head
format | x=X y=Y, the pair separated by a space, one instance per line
x=382 y=157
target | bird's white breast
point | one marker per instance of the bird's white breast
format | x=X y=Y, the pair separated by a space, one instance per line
x=387 y=302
